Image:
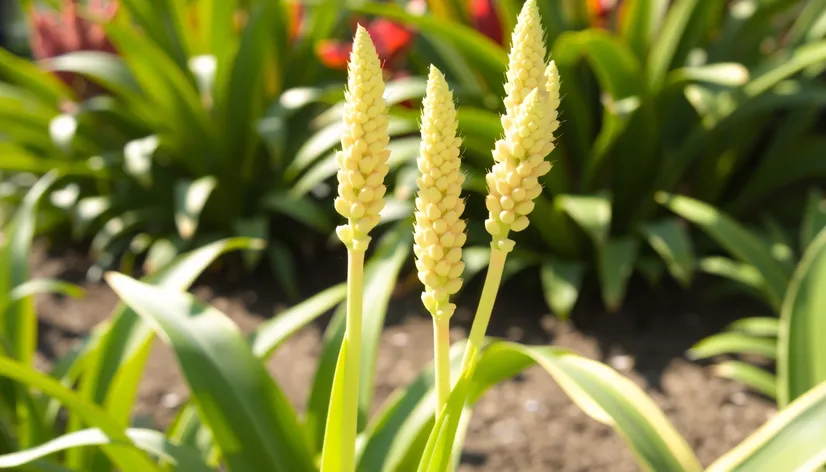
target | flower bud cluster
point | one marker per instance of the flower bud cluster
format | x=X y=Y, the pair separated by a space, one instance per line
x=363 y=158
x=439 y=231
x=529 y=123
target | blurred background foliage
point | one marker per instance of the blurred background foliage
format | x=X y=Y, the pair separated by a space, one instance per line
x=175 y=123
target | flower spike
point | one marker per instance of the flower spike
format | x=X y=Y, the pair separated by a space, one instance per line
x=439 y=230
x=363 y=158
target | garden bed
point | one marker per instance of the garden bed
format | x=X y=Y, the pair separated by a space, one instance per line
x=527 y=424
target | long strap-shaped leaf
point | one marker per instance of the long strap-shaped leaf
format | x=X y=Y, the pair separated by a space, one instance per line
x=801 y=351
x=113 y=368
x=791 y=441
x=150 y=441
x=253 y=423
x=597 y=389
x=126 y=458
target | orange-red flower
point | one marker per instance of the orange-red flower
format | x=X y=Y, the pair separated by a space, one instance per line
x=391 y=40
x=485 y=19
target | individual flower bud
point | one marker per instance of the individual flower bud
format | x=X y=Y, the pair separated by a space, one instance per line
x=439 y=230
x=363 y=158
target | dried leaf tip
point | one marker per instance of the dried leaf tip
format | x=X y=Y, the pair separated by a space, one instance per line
x=439 y=231
x=363 y=158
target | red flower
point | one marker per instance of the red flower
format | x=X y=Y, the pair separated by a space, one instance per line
x=485 y=19
x=391 y=40
x=57 y=33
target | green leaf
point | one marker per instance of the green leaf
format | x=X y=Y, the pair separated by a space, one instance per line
x=744 y=274
x=737 y=240
x=137 y=158
x=104 y=68
x=333 y=442
x=814 y=218
x=591 y=212
x=752 y=376
x=673 y=244
x=18 y=321
x=301 y=209
x=801 y=58
x=561 y=282
x=639 y=23
x=147 y=440
x=757 y=326
x=42 y=286
x=729 y=74
x=791 y=440
x=664 y=47
x=115 y=366
x=801 y=354
x=253 y=423
x=273 y=332
x=190 y=199
x=283 y=264
x=27 y=74
x=596 y=389
x=126 y=458
x=733 y=343
x=616 y=265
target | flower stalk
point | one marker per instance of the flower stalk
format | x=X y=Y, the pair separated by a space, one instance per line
x=439 y=231
x=362 y=168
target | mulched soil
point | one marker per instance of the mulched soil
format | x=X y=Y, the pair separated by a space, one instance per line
x=527 y=424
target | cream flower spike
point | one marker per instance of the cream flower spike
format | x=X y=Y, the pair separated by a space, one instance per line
x=513 y=182
x=439 y=231
x=363 y=158
x=552 y=87
x=526 y=60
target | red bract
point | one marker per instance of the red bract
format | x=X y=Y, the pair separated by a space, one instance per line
x=57 y=33
x=391 y=40
x=485 y=19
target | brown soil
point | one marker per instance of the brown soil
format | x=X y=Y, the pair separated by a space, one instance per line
x=527 y=424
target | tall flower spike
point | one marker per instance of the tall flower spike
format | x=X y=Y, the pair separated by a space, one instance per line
x=363 y=158
x=526 y=60
x=513 y=182
x=439 y=231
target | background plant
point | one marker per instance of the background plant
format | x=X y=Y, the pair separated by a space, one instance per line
x=716 y=100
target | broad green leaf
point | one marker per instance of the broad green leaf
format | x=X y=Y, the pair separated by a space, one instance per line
x=757 y=326
x=591 y=212
x=664 y=47
x=752 y=376
x=616 y=264
x=733 y=343
x=42 y=286
x=190 y=199
x=105 y=68
x=27 y=74
x=253 y=423
x=737 y=240
x=722 y=73
x=126 y=458
x=561 y=282
x=272 y=333
x=673 y=244
x=596 y=389
x=283 y=265
x=18 y=320
x=302 y=209
x=814 y=219
x=147 y=440
x=332 y=452
x=639 y=23
x=801 y=352
x=791 y=440
x=744 y=274
x=115 y=367
x=137 y=158
x=801 y=58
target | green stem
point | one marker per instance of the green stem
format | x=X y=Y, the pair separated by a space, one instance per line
x=352 y=333
x=480 y=322
x=441 y=348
